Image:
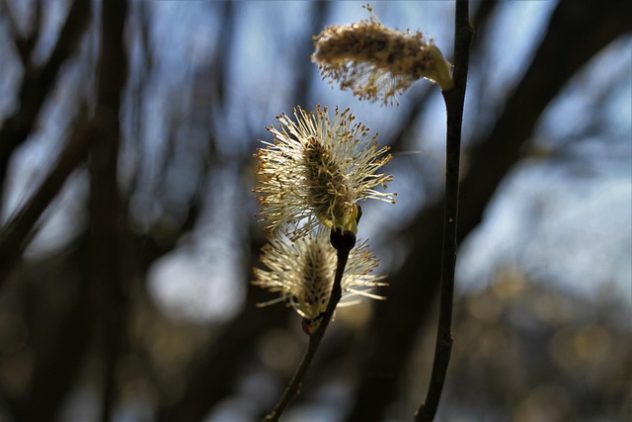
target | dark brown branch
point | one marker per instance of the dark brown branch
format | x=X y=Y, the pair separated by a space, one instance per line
x=61 y=336
x=106 y=221
x=343 y=242
x=17 y=232
x=454 y=100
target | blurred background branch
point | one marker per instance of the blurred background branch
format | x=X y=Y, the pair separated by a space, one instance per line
x=38 y=80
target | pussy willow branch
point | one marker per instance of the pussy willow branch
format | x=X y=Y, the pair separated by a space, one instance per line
x=454 y=100
x=343 y=242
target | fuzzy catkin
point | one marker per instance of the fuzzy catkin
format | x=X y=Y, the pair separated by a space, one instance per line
x=302 y=273
x=316 y=170
x=377 y=62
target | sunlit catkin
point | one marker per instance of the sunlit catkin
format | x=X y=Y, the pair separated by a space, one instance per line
x=316 y=170
x=302 y=272
x=378 y=63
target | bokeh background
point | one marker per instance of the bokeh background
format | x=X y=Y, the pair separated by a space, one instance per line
x=128 y=227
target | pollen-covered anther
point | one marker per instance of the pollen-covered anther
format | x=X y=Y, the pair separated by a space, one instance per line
x=329 y=194
x=376 y=62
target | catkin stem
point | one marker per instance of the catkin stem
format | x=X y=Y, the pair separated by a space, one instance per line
x=454 y=100
x=343 y=242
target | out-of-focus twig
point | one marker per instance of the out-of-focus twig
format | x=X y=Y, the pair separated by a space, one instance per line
x=17 y=232
x=24 y=43
x=61 y=334
x=37 y=82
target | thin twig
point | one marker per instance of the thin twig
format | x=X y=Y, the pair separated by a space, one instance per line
x=343 y=242
x=454 y=100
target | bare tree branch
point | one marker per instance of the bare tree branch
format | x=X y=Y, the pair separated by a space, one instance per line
x=454 y=101
x=106 y=222
x=62 y=341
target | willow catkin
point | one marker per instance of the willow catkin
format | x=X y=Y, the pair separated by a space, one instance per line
x=316 y=170
x=377 y=62
x=302 y=273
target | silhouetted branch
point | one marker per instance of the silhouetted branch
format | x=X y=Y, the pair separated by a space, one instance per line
x=106 y=222
x=454 y=100
x=58 y=359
